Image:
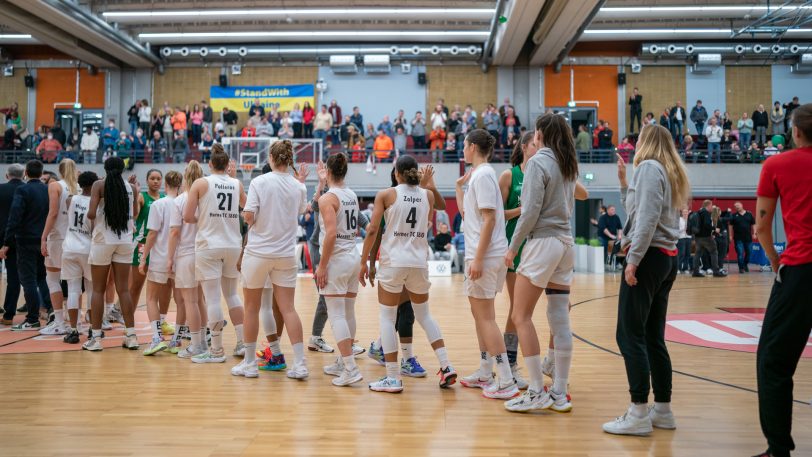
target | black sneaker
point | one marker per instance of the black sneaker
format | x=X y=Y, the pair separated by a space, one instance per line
x=447 y=377
x=72 y=337
x=720 y=274
x=697 y=275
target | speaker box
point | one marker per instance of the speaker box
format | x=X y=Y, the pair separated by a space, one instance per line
x=621 y=79
x=29 y=81
x=223 y=81
x=421 y=79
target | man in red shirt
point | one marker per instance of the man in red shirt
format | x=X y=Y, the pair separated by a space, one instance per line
x=788 y=319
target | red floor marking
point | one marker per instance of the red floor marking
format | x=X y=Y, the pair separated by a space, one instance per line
x=744 y=310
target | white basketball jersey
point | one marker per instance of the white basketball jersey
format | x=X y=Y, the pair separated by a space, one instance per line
x=218 y=221
x=77 y=237
x=61 y=225
x=405 y=242
x=188 y=232
x=346 y=221
x=102 y=234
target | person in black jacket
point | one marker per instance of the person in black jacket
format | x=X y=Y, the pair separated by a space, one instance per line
x=761 y=122
x=705 y=243
x=635 y=109
x=14 y=176
x=677 y=118
x=26 y=222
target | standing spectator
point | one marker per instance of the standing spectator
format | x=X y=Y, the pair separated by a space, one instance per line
x=705 y=242
x=144 y=116
x=777 y=118
x=139 y=143
x=166 y=124
x=684 y=243
x=72 y=146
x=387 y=127
x=179 y=121
x=308 y=222
x=699 y=115
x=109 y=136
x=157 y=146
x=665 y=119
x=454 y=123
x=714 y=135
x=503 y=110
x=383 y=146
x=256 y=109
x=132 y=116
x=322 y=124
x=609 y=228
x=721 y=221
x=511 y=123
x=635 y=109
x=14 y=178
x=275 y=120
x=296 y=118
x=48 y=149
x=180 y=148
x=90 y=146
x=444 y=108
x=59 y=134
x=401 y=121
x=788 y=109
x=307 y=120
x=491 y=121
x=745 y=126
x=335 y=113
x=230 y=118
x=419 y=131
x=717 y=114
x=727 y=122
x=357 y=119
x=438 y=117
x=208 y=116
x=196 y=118
x=605 y=138
x=761 y=122
x=743 y=224
x=787 y=322
x=26 y=222
x=437 y=141
x=677 y=117
x=400 y=141
x=356 y=145
x=583 y=142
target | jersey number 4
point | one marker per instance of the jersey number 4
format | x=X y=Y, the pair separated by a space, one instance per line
x=352 y=219
x=411 y=218
x=224 y=197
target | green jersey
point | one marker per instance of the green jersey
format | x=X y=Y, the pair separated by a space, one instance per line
x=514 y=201
x=141 y=230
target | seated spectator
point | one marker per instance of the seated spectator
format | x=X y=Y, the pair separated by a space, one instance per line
x=285 y=131
x=206 y=144
x=441 y=245
x=610 y=227
x=769 y=149
x=343 y=131
x=625 y=148
x=139 y=143
x=157 y=147
x=778 y=139
x=180 y=148
x=109 y=136
x=689 y=149
x=264 y=129
x=124 y=147
x=753 y=153
x=451 y=145
x=48 y=149
x=383 y=146
x=356 y=145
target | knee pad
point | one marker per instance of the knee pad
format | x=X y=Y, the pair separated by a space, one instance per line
x=425 y=319
x=387 y=316
x=405 y=320
x=211 y=291
x=349 y=312
x=335 y=313
x=229 y=286
x=52 y=280
x=266 y=312
x=74 y=292
x=558 y=317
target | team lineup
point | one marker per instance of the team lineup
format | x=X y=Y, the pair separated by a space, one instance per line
x=204 y=237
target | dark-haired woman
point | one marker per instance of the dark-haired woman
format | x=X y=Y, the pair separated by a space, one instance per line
x=486 y=245
x=403 y=264
x=548 y=198
x=112 y=209
x=339 y=267
x=275 y=202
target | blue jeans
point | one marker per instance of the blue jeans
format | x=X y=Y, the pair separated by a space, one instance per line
x=744 y=140
x=684 y=250
x=320 y=135
x=714 y=147
x=677 y=127
x=133 y=127
x=700 y=127
x=743 y=253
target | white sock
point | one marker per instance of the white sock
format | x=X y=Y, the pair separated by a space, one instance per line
x=250 y=352
x=163 y=318
x=275 y=349
x=662 y=408
x=156 y=330
x=129 y=331
x=195 y=338
x=59 y=318
x=550 y=357
x=533 y=363
x=485 y=365
x=442 y=357
x=298 y=353
x=96 y=333
x=108 y=307
x=639 y=410
x=407 y=350
x=503 y=368
x=238 y=330
x=393 y=370
x=349 y=361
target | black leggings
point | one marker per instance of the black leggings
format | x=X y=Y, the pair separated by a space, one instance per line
x=405 y=320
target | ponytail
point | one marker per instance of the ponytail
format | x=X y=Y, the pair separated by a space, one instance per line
x=67 y=171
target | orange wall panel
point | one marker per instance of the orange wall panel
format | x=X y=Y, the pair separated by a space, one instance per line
x=58 y=85
x=592 y=83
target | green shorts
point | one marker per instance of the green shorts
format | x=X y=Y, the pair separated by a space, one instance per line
x=139 y=249
x=517 y=260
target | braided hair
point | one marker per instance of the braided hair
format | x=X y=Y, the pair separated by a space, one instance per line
x=116 y=202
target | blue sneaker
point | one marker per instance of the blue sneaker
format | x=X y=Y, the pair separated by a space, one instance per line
x=412 y=368
x=386 y=384
x=376 y=354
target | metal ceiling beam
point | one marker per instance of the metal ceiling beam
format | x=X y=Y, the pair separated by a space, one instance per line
x=559 y=61
x=771 y=21
x=511 y=37
x=558 y=27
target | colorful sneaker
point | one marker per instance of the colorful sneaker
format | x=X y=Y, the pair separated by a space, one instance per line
x=387 y=384
x=275 y=363
x=335 y=368
x=521 y=383
x=560 y=403
x=627 y=424
x=167 y=328
x=247 y=369
x=662 y=420
x=174 y=347
x=93 y=344
x=190 y=351
x=54 y=329
x=210 y=356
x=500 y=391
x=447 y=377
x=156 y=347
x=357 y=349
x=348 y=376
x=527 y=401
x=317 y=344
x=130 y=342
x=299 y=371
x=26 y=326
x=264 y=353
x=412 y=368
x=239 y=349
x=376 y=354
x=477 y=381
x=72 y=337
x=548 y=367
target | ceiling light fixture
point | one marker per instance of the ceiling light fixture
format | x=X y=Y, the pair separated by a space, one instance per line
x=301 y=12
x=337 y=33
x=653 y=31
x=15 y=37
x=663 y=9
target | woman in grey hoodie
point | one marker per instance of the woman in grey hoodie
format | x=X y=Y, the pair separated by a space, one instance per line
x=658 y=189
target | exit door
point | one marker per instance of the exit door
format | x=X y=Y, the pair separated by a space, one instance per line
x=80 y=119
x=578 y=116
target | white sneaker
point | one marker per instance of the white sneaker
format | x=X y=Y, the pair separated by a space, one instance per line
x=358 y=349
x=476 y=380
x=559 y=403
x=665 y=421
x=210 y=357
x=334 y=369
x=130 y=342
x=521 y=383
x=318 y=344
x=548 y=367
x=190 y=351
x=528 y=400
x=93 y=344
x=115 y=316
x=500 y=391
x=627 y=424
x=348 y=376
x=239 y=349
x=106 y=325
x=54 y=329
x=299 y=371
x=247 y=369
x=387 y=384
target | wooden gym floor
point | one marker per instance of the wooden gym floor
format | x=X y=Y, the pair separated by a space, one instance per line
x=119 y=403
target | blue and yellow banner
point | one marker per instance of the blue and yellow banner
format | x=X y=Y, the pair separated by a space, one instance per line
x=240 y=98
